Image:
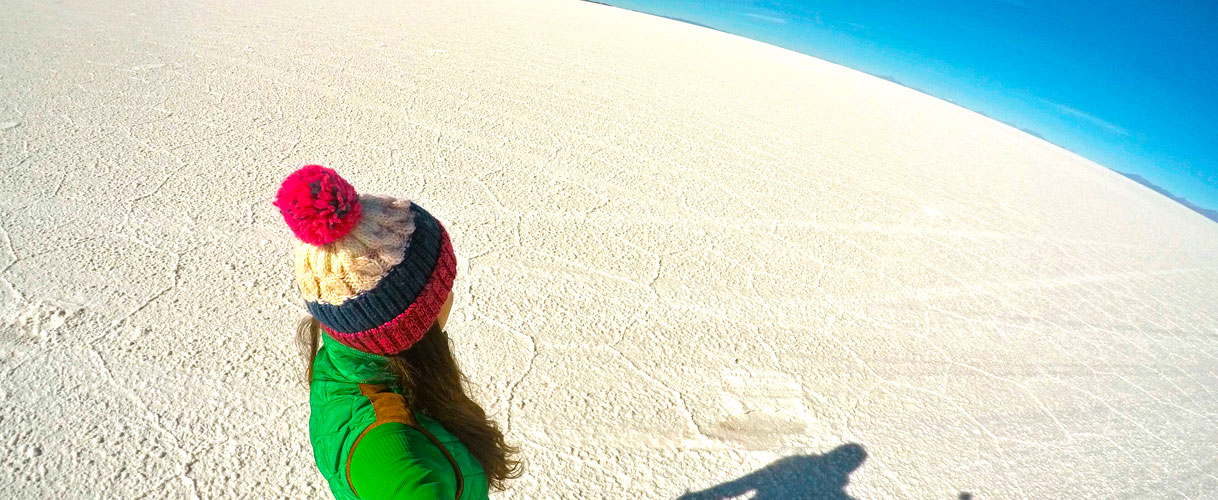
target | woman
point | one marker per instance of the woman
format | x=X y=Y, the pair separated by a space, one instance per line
x=390 y=418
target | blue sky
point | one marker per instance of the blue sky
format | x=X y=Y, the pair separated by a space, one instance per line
x=1130 y=84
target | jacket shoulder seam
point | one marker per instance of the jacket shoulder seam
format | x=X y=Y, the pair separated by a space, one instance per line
x=387 y=407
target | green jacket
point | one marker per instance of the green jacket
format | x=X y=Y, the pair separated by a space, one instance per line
x=369 y=446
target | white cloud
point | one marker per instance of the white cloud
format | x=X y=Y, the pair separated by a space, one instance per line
x=1087 y=117
x=763 y=17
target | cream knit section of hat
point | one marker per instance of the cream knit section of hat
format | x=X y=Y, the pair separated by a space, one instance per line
x=337 y=271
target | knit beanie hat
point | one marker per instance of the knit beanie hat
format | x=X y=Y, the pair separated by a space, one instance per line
x=373 y=270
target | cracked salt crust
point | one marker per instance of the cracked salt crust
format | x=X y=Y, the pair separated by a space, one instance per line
x=682 y=256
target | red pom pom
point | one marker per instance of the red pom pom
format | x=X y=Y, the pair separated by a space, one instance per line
x=318 y=205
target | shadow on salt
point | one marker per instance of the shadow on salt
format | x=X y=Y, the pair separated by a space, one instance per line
x=820 y=477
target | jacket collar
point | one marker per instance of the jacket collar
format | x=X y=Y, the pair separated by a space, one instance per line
x=341 y=363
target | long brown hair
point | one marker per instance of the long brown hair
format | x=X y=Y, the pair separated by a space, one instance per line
x=433 y=384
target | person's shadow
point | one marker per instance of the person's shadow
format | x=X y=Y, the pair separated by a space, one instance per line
x=812 y=477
